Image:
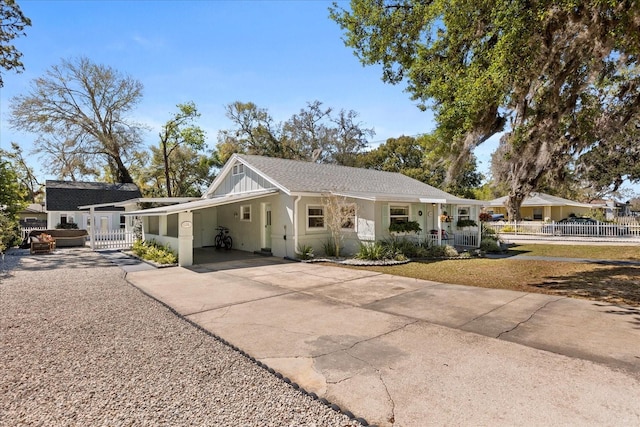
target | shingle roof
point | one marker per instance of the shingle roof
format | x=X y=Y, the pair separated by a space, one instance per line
x=539 y=199
x=68 y=195
x=300 y=176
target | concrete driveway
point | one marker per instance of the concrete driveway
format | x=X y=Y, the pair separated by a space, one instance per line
x=406 y=352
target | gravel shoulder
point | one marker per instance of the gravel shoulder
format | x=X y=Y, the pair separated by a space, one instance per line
x=80 y=346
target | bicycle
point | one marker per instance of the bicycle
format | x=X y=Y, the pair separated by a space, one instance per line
x=223 y=240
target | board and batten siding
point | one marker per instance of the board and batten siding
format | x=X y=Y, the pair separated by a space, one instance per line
x=243 y=182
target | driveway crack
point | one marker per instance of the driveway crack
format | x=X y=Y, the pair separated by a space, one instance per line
x=530 y=317
x=491 y=311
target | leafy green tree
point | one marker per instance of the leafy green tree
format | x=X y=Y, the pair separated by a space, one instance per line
x=190 y=172
x=12 y=25
x=24 y=173
x=559 y=77
x=313 y=134
x=12 y=200
x=179 y=132
x=78 y=109
x=423 y=159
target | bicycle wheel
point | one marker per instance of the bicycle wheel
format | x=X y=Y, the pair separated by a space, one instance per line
x=218 y=242
x=228 y=242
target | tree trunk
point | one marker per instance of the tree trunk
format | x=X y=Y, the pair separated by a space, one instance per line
x=513 y=205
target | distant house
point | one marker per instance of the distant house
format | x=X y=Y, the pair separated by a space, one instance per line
x=278 y=205
x=33 y=215
x=543 y=207
x=65 y=199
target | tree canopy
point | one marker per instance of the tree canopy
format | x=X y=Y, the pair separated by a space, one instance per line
x=315 y=133
x=78 y=110
x=12 y=25
x=179 y=136
x=560 y=78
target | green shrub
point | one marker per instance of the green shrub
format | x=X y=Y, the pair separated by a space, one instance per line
x=372 y=251
x=329 y=247
x=450 y=251
x=466 y=223
x=490 y=245
x=153 y=251
x=305 y=251
x=405 y=227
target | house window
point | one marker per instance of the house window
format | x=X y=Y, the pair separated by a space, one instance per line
x=238 y=169
x=245 y=213
x=349 y=213
x=123 y=221
x=537 y=214
x=464 y=213
x=315 y=217
x=398 y=214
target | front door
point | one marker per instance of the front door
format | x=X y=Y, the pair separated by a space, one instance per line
x=266 y=223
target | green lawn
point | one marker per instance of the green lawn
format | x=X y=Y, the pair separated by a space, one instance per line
x=602 y=282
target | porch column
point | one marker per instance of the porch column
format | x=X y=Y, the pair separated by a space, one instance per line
x=92 y=228
x=185 y=239
x=477 y=209
x=439 y=225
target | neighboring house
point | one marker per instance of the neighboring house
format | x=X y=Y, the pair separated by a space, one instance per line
x=543 y=207
x=65 y=199
x=276 y=205
x=33 y=215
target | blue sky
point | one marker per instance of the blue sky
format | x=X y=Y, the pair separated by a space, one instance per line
x=277 y=54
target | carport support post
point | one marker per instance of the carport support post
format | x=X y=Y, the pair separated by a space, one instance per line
x=92 y=232
x=185 y=239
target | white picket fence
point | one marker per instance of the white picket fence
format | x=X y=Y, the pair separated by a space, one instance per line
x=459 y=238
x=532 y=230
x=113 y=239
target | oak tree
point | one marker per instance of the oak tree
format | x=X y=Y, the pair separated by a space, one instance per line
x=79 y=111
x=12 y=25
x=558 y=77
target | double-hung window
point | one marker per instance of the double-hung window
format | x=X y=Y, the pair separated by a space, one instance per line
x=245 y=213
x=398 y=214
x=315 y=217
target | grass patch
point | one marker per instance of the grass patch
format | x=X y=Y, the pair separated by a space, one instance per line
x=609 y=283
x=623 y=253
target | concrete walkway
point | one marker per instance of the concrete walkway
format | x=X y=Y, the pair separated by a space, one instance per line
x=406 y=352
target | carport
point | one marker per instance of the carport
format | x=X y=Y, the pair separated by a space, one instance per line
x=175 y=224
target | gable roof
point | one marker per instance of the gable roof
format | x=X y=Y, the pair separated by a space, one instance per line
x=540 y=199
x=69 y=195
x=295 y=176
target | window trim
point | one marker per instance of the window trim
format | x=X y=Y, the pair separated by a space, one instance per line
x=242 y=212
x=399 y=205
x=324 y=222
x=238 y=169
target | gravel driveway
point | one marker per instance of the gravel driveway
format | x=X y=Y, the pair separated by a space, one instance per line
x=80 y=346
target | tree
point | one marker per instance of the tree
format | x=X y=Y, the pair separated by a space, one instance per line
x=559 y=77
x=12 y=200
x=189 y=173
x=339 y=215
x=179 y=132
x=12 y=25
x=423 y=159
x=25 y=176
x=78 y=110
x=313 y=134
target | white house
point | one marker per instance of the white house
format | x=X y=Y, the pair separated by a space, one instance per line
x=66 y=202
x=276 y=205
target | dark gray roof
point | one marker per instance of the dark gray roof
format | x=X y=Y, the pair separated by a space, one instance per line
x=300 y=176
x=68 y=195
